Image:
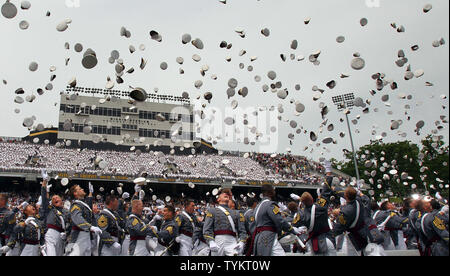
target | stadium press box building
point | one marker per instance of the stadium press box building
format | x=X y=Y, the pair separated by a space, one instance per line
x=90 y=115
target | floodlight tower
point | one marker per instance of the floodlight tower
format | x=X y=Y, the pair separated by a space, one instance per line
x=345 y=103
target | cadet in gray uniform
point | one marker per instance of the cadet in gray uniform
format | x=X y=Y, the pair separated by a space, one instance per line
x=55 y=218
x=315 y=218
x=224 y=229
x=269 y=225
x=187 y=223
x=167 y=235
x=29 y=233
x=249 y=216
x=82 y=220
x=139 y=230
x=7 y=224
x=435 y=231
x=112 y=226
x=351 y=219
x=389 y=223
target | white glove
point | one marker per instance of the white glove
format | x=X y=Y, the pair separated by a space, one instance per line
x=213 y=246
x=23 y=205
x=96 y=230
x=240 y=248
x=44 y=175
x=141 y=195
x=48 y=188
x=137 y=188
x=154 y=228
x=444 y=210
x=178 y=240
x=381 y=227
x=295 y=197
x=116 y=246
x=300 y=230
x=125 y=195
x=5 y=249
x=151 y=244
x=91 y=188
x=157 y=217
x=63 y=236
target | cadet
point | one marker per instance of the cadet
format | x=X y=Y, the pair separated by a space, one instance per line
x=55 y=217
x=187 y=224
x=389 y=223
x=29 y=233
x=167 y=236
x=315 y=218
x=112 y=228
x=139 y=230
x=352 y=219
x=249 y=216
x=81 y=219
x=269 y=224
x=7 y=223
x=224 y=229
x=435 y=231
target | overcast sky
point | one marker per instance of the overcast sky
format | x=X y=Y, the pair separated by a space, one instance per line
x=96 y=24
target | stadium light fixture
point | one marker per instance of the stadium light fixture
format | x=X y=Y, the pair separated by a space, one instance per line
x=345 y=103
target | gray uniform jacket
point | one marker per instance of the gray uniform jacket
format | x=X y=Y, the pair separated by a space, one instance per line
x=187 y=226
x=111 y=226
x=435 y=234
x=81 y=218
x=358 y=234
x=7 y=223
x=138 y=230
x=217 y=223
x=269 y=225
x=51 y=216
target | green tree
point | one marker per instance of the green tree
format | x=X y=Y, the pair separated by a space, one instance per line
x=391 y=169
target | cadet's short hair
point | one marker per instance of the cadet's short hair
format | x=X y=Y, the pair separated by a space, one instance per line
x=225 y=191
x=170 y=208
x=109 y=199
x=267 y=190
x=420 y=205
x=374 y=206
x=251 y=201
x=307 y=199
x=384 y=206
x=72 y=191
x=188 y=202
x=292 y=206
x=435 y=204
x=350 y=193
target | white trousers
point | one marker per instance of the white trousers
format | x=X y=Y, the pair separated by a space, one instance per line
x=125 y=246
x=15 y=252
x=348 y=248
x=30 y=250
x=202 y=249
x=186 y=246
x=277 y=249
x=82 y=247
x=401 y=242
x=141 y=249
x=53 y=243
x=110 y=251
x=227 y=246
x=374 y=250
x=388 y=243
